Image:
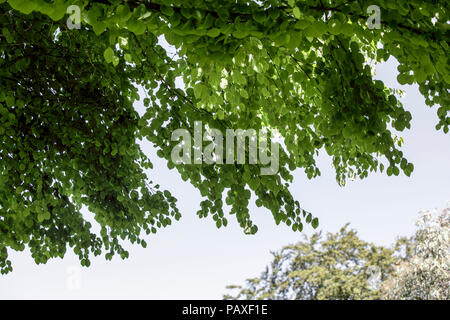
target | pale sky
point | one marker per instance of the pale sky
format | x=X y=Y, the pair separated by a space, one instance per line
x=191 y=259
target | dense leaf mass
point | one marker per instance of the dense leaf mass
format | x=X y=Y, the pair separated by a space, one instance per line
x=337 y=266
x=425 y=275
x=69 y=132
x=341 y=266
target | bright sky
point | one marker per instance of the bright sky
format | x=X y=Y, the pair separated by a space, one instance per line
x=193 y=260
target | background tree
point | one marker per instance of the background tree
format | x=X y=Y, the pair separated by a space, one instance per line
x=338 y=266
x=425 y=275
x=68 y=130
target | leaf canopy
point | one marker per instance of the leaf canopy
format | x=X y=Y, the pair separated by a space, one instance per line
x=69 y=132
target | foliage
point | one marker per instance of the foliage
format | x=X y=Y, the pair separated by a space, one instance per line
x=342 y=266
x=68 y=130
x=425 y=275
x=338 y=267
x=68 y=138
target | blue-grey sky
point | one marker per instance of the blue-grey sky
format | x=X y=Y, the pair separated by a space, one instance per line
x=193 y=260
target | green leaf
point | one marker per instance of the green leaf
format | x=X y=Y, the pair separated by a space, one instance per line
x=128 y=57
x=167 y=10
x=24 y=6
x=213 y=33
x=115 y=61
x=297 y=13
x=109 y=55
x=243 y=93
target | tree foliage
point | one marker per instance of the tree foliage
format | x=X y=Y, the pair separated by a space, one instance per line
x=425 y=275
x=68 y=138
x=68 y=128
x=339 y=266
